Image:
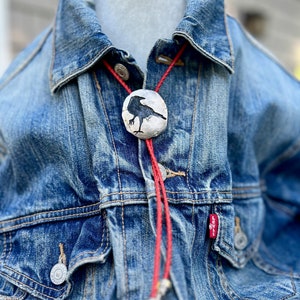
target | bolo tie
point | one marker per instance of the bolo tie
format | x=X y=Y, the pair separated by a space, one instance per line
x=145 y=115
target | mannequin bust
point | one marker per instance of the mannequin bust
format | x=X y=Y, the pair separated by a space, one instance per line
x=135 y=26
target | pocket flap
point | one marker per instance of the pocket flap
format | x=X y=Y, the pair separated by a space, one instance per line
x=30 y=253
x=240 y=229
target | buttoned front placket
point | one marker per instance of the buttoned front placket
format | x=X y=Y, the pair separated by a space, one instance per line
x=175 y=148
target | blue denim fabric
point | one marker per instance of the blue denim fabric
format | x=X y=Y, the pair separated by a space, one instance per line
x=70 y=173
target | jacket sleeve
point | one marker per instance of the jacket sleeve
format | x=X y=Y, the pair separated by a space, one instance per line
x=264 y=122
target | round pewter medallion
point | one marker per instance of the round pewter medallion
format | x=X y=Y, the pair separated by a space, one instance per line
x=58 y=274
x=145 y=114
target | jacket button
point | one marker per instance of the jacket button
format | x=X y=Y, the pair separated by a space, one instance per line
x=122 y=71
x=240 y=238
x=163 y=171
x=58 y=273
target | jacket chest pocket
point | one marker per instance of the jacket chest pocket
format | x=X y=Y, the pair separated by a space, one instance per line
x=40 y=260
x=241 y=269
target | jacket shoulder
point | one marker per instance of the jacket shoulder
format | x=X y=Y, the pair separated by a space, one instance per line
x=250 y=53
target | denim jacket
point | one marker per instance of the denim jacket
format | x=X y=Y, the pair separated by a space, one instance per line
x=77 y=189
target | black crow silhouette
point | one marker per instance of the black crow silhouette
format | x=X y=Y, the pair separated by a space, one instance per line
x=141 y=111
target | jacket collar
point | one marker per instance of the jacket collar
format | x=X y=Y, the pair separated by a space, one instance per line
x=79 y=42
x=205 y=27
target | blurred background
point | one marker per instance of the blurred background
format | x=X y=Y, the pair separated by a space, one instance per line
x=275 y=23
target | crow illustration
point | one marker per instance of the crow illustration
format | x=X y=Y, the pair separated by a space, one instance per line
x=141 y=111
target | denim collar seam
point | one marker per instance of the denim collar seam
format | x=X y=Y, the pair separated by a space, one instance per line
x=207 y=54
x=58 y=77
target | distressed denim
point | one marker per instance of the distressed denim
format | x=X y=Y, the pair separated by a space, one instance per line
x=71 y=174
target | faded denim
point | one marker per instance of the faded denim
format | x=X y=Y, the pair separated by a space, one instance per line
x=70 y=172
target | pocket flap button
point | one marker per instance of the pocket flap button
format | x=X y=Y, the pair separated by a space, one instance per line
x=58 y=274
x=59 y=271
x=240 y=238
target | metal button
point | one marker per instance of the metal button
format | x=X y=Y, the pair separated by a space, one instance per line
x=240 y=238
x=163 y=171
x=122 y=71
x=163 y=59
x=58 y=273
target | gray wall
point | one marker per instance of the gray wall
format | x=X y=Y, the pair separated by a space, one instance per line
x=282 y=26
x=27 y=19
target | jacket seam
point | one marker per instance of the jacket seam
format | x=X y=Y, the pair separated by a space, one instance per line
x=229 y=42
x=204 y=52
x=94 y=209
x=41 y=217
x=224 y=283
x=192 y=139
x=29 y=278
x=282 y=157
x=104 y=240
x=30 y=288
x=109 y=128
x=261 y=48
x=56 y=84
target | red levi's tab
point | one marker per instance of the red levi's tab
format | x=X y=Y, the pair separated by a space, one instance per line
x=213 y=225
